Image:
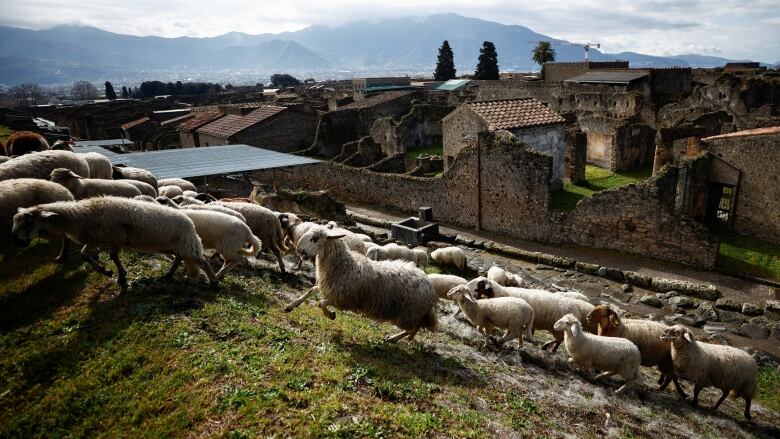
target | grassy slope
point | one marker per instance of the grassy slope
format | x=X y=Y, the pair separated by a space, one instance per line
x=597 y=179
x=172 y=358
x=427 y=150
x=746 y=255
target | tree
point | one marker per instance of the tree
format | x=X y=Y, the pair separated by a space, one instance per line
x=125 y=93
x=26 y=95
x=84 y=90
x=543 y=53
x=487 y=65
x=110 y=93
x=445 y=65
x=283 y=80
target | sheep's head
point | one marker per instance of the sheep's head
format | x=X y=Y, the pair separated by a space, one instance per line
x=206 y=198
x=29 y=223
x=63 y=145
x=482 y=287
x=604 y=317
x=289 y=220
x=459 y=292
x=678 y=334
x=310 y=243
x=569 y=322
x=61 y=175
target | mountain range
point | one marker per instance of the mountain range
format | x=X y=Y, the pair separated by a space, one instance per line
x=66 y=53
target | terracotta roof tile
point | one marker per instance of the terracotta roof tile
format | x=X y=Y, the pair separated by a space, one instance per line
x=135 y=123
x=199 y=119
x=232 y=124
x=515 y=113
x=174 y=122
x=376 y=100
x=746 y=133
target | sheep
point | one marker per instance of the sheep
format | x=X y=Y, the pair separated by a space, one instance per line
x=443 y=283
x=184 y=200
x=41 y=164
x=206 y=198
x=335 y=227
x=264 y=224
x=294 y=227
x=130 y=173
x=510 y=313
x=574 y=295
x=147 y=198
x=165 y=201
x=145 y=188
x=392 y=291
x=87 y=187
x=450 y=256
x=421 y=257
x=24 y=142
x=117 y=223
x=169 y=191
x=355 y=241
x=727 y=368
x=27 y=192
x=646 y=335
x=611 y=354
x=99 y=165
x=63 y=145
x=4 y=159
x=394 y=251
x=180 y=182
x=191 y=194
x=504 y=278
x=548 y=308
x=226 y=235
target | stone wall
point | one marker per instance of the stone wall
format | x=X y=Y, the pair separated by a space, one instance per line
x=420 y=127
x=757 y=211
x=560 y=71
x=459 y=131
x=549 y=139
x=289 y=131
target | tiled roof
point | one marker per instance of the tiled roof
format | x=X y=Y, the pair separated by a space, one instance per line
x=746 y=133
x=199 y=119
x=135 y=123
x=376 y=100
x=515 y=113
x=232 y=124
x=176 y=120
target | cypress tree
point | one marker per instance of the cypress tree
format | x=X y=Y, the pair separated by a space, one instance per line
x=125 y=93
x=110 y=93
x=445 y=65
x=487 y=66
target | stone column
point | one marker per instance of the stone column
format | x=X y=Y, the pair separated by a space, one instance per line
x=664 y=153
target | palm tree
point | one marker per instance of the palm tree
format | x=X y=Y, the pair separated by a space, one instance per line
x=543 y=53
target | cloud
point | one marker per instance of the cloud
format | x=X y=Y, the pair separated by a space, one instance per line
x=733 y=28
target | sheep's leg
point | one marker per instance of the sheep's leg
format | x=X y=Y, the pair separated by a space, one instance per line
x=679 y=388
x=604 y=375
x=508 y=335
x=297 y=302
x=120 y=269
x=86 y=255
x=396 y=337
x=63 y=256
x=457 y=313
x=174 y=265
x=323 y=304
x=747 y=408
x=664 y=381
x=227 y=266
x=204 y=264
x=300 y=262
x=720 y=401
x=279 y=258
x=625 y=386
x=412 y=333
x=696 y=390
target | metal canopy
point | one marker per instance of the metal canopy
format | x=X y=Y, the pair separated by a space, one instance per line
x=108 y=142
x=199 y=162
x=606 y=77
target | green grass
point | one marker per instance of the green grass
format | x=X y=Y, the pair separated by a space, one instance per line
x=768 y=383
x=746 y=255
x=428 y=150
x=5 y=132
x=597 y=179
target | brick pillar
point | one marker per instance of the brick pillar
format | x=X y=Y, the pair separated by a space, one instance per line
x=694 y=147
x=664 y=153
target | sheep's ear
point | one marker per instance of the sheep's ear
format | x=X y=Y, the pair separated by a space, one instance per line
x=614 y=319
x=575 y=330
x=47 y=214
x=335 y=235
x=688 y=337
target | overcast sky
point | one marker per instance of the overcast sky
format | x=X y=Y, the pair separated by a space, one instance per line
x=728 y=28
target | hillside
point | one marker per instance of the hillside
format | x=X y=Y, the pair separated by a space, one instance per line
x=398 y=45
x=176 y=359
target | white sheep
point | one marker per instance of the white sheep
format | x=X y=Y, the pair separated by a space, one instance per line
x=391 y=291
x=393 y=251
x=26 y=192
x=610 y=354
x=264 y=224
x=727 y=368
x=130 y=173
x=191 y=194
x=443 y=283
x=332 y=225
x=646 y=334
x=41 y=164
x=116 y=223
x=180 y=182
x=548 y=307
x=169 y=191
x=145 y=188
x=226 y=235
x=450 y=256
x=574 y=295
x=510 y=313
x=184 y=200
x=504 y=278
x=294 y=227
x=165 y=201
x=421 y=257
x=91 y=187
x=4 y=158
x=99 y=165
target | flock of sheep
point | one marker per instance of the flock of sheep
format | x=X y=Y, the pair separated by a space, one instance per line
x=58 y=194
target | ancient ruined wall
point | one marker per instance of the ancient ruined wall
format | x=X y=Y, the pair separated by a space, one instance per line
x=758 y=200
x=288 y=131
x=549 y=139
x=187 y=139
x=459 y=130
x=638 y=219
x=209 y=140
x=634 y=147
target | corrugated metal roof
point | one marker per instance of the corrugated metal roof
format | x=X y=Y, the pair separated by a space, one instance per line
x=515 y=113
x=107 y=142
x=453 y=84
x=232 y=124
x=619 y=78
x=199 y=162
